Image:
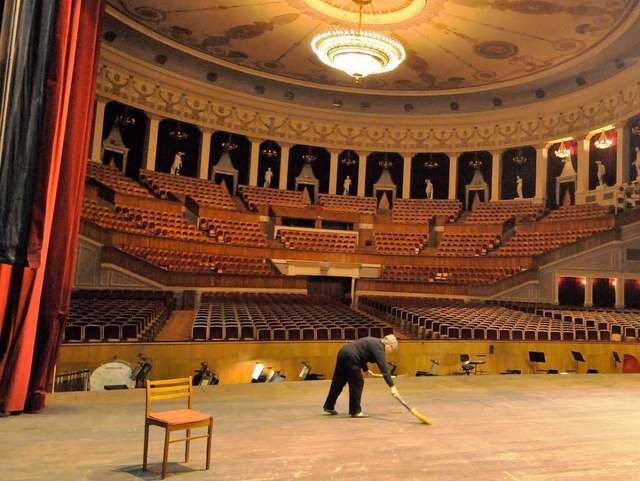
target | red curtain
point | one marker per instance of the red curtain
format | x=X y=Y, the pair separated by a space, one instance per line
x=34 y=301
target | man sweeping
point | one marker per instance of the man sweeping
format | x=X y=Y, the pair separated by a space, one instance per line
x=352 y=363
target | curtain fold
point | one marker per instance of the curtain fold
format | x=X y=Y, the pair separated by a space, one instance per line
x=37 y=299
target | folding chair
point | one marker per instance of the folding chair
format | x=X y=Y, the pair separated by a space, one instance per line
x=174 y=420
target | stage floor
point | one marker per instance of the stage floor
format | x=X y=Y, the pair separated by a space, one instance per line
x=486 y=428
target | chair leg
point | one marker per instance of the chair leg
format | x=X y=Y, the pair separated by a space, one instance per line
x=187 y=446
x=165 y=455
x=146 y=447
x=209 y=444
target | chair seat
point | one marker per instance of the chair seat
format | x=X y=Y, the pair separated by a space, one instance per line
x=179 y=416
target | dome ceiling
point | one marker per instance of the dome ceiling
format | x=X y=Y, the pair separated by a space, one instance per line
x=461 y=54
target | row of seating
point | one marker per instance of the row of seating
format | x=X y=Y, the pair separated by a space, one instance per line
x=414 y=211
x=254 y=196
x=461 y=275
x=500 y=211
x=319 y=240
x=111 y=177
x=226 y=316
x=234 y=232
x=400 y=243
x=468 y=244
x=431 y=319
x=348 y=203
x=160 y=223
x=536 y=243
x=202 y=191
x=96 y=316
x=577 y=212
x=202 y=263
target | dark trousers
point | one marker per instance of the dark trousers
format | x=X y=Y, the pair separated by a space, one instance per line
x=346 y=372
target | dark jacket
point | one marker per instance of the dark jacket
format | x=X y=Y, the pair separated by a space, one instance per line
x=367 y=350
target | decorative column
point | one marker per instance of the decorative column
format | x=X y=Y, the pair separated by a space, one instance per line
x=151 y=142
x=588 y=292
x=205 y=152
x=284 y=165
x=582 y=183
x=333 y=171
x=623 y=140
x=453 y=175
x=362 y=172
x=406 y=175
x=98 y=122
x=542 y=167
x=619 y=290
x=253 y=163
x=496 y=175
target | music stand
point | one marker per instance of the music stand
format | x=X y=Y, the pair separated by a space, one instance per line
x=616 y=360
x=536 y=357
x=577 y=357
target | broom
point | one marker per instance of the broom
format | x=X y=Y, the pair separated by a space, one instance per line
x=414 y=411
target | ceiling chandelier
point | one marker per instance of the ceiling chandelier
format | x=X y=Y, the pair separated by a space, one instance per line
x=519 y=158
x=603 y=141
x=124 y=119
x=178 y=133
x=563 y=151
x=385 y=163
x=269 y=150
x=229 y=145
x=358 y=52
x=431 y=163
x=348 y=160
x=475 y=163
x=309 y=157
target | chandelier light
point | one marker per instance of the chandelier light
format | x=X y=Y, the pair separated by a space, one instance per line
x=309 y=157
x=348 y=160
x=603 y=141
x=269 y=150
x=229 y=145
x=358 y=52
x=124 y=119
x=563 y=151
x=475 y=163
x=519 y=158
x=635 y=130
x=431 y=164
x=385 y=163
x=178 y=133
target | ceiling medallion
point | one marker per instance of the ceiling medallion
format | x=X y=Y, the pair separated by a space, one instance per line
x=358 y=52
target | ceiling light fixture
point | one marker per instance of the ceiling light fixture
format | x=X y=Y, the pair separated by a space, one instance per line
x=475 y=163
x=358 y=52
x=178 y=133
x=519 y=158
x=348 y=160
x=269 y=150
x=229 y=145
x=385 y=163
x=431 y=164
x=603 y=141
x=309 y=157
x=563 y=151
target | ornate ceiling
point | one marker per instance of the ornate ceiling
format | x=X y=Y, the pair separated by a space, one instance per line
x=462 y=55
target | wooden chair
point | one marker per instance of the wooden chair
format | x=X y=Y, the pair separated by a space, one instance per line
x=174 y=420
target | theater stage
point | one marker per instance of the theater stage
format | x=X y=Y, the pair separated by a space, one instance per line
x=487 y=427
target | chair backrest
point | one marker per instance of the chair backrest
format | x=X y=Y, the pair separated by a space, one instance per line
x=464 y=357
x=167 y=389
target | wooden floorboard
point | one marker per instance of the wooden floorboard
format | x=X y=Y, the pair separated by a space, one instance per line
x=576 y=427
